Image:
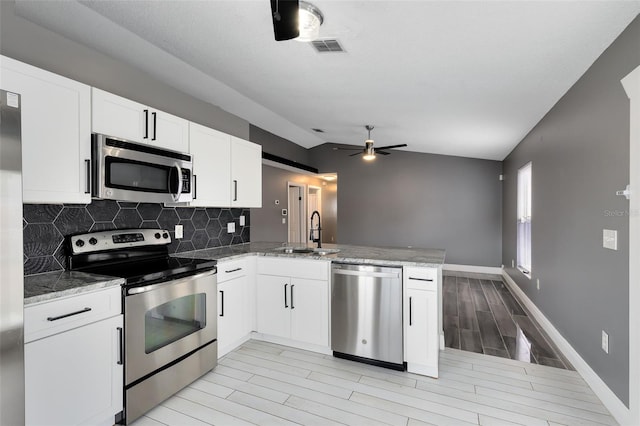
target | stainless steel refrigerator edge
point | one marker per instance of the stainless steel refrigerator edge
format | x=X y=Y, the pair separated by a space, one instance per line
x=11 y=269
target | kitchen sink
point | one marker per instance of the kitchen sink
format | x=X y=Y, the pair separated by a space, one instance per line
x=307 y=250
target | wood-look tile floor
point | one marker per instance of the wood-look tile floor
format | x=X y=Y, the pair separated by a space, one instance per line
x=481 y=315
x=267 y=384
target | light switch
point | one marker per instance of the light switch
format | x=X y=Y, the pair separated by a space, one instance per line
x=610 y=239
x=231 y=227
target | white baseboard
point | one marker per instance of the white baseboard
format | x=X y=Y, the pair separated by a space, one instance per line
x=599 y=387
x=292 y=343
x=471 y=268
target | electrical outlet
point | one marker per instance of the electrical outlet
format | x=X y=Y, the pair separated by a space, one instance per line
x=179 y=231
x=538 y=283
x=231 y=227
x=284 y=220
x=605 y=341
x=241 y=220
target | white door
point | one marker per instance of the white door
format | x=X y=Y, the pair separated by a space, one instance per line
x=310 y=311
x=422 y=329
x=211 y=152
x=274 y=305
x=231 y=313
x=56 y=134
x=119 y=117
x=296 y=211
x=246 y=173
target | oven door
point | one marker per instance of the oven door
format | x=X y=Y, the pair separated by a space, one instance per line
x=134 y=172
x=163 y=322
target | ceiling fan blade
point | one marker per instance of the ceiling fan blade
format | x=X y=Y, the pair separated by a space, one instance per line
x=382 y=152
x=353 y=155
x=347 y=149
x=392 y=146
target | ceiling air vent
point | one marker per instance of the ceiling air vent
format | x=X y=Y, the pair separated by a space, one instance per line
x=328 y=45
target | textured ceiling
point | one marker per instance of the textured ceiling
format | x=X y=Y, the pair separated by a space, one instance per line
x=447 y=77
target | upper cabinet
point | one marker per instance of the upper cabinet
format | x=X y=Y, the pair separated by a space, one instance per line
x=211 y=152
x=123 y=118
x=227 y=170
x=246 y=173
x=56 y=133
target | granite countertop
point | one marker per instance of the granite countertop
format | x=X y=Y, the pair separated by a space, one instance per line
x=392 y=256
x=53 y=285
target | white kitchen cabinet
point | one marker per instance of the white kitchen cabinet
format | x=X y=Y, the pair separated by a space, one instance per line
x=56 y=133
x=211 y=152
x=421 y=323
x=123 y=118
x=73 y=365
x=294 y=306
x=234 y=295
x=246 y=173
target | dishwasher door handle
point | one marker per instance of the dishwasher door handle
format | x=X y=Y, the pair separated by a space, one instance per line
x=367 y=274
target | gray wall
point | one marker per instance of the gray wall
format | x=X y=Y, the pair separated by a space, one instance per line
x=580 y=157
x=27 y=42
x=266 y=222
x=419 y=200
x=276 y=145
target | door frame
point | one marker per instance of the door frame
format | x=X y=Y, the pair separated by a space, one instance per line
x=631 y=84
x=303 y=210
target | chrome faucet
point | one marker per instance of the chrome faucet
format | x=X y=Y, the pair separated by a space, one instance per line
x=319 y=229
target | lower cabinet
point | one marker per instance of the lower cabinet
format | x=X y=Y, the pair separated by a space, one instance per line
x=74 y=377
x=234 y=304
x=421 y=324
x=296 y=306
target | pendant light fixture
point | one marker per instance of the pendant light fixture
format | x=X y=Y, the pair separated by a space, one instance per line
x=295 y=20
x=309 y=20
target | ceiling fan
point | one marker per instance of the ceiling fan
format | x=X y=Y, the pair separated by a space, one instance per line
x=369 y=152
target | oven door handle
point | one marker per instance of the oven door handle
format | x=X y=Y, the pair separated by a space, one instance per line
x=176 y=196
x=139 y=290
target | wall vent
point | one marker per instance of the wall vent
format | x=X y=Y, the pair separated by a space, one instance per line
x=327 y=45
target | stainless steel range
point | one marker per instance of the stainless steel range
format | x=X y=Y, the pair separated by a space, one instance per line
x=169 y=303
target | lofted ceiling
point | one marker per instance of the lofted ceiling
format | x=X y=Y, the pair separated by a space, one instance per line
x=463 y=78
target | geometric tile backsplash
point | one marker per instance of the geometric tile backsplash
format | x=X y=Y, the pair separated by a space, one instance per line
x=46 y=225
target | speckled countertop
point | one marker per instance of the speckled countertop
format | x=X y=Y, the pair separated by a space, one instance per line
x=348 y=254
x=53 y=285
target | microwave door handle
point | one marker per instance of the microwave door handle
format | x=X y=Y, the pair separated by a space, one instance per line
x=176 y=196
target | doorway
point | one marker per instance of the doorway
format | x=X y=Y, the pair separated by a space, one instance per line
x=297 y=212
x=314 y=202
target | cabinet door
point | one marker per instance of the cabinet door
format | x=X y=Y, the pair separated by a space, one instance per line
x=56 y=133
x=211 y=152
x=246 y=173
x=119 y=117
x=231 y=314
x=168 y=131
x=422 y=332
x=73 y=378
x=273 y=305
x=310 y=311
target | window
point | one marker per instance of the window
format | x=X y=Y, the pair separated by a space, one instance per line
x=524 y=219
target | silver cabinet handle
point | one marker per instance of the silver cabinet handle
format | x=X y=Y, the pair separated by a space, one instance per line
x=59 y=317
x=120 y=346
x=87 y=164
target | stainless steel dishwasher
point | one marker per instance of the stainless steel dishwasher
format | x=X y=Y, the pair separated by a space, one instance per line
x=366 y=314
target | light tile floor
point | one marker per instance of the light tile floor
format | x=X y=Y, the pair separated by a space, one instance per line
x=267 y=384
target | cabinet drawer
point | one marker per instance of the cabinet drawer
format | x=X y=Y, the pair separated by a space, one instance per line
x=231 y=269
x=298 y=268
x=60 y=315
x=421 y=278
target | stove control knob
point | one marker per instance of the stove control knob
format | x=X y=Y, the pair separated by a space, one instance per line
x=93 y=241
x=165 y=235
x=80 y=243
x=157 y=235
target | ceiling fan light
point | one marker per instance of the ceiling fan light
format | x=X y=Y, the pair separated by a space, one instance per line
x=309 y=20
x=369 y=157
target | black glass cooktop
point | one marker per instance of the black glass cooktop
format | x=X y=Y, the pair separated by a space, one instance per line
x=142 y=272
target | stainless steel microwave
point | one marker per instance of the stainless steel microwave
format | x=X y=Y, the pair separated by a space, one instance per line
x=128 y=171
